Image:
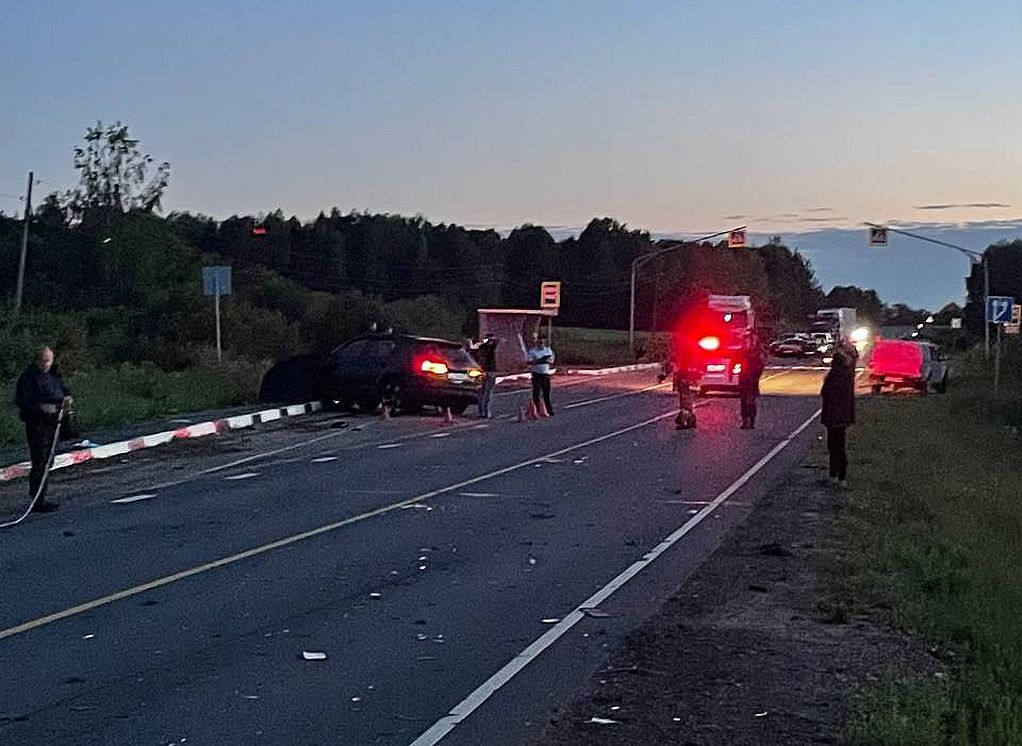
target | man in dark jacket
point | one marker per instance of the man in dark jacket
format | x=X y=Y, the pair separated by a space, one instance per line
x=748 y=382
x=40 y=396
x=486 y=355
x=838 y=413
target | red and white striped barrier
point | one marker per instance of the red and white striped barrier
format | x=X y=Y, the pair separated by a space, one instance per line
x=198 y=430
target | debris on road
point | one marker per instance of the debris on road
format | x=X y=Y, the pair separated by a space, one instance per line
x=551 y=620
x=596 y=613
x=313 y=655
x=601 y=721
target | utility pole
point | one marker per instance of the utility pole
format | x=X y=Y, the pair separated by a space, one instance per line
x=640 y=260
x=20 y=287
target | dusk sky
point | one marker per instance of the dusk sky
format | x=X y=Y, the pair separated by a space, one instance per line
x=670 y=116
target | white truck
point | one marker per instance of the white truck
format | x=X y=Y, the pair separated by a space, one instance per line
x=840 y=322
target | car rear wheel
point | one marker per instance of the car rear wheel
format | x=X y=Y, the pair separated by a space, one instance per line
x=942 y=386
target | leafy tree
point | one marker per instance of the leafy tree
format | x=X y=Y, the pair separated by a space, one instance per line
x=866 y=303
x=114 y=174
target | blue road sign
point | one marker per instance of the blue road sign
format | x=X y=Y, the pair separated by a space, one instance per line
x=999 y=309
x=217 y=281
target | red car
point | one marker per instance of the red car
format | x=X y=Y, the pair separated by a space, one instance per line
x=907 y=364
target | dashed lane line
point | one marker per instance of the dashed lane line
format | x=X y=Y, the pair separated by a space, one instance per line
x=295 y=538
x=473 y=701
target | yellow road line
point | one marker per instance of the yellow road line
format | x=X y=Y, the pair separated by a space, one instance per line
x=287 y=541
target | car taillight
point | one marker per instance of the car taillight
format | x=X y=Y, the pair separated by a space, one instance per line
x=737 y=368
x=437 y=369
x=710 y=343
x=475 y=373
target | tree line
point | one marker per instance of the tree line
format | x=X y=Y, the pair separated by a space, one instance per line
x=123 y=277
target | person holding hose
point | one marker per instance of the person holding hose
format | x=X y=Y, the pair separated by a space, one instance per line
x=838 y=413
x=41 y=395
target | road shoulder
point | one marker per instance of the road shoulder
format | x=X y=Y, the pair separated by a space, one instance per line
x=745 y=652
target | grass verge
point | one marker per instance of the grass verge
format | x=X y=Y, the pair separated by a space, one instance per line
x=603 y=347
x=132 y=393
x=930 y=543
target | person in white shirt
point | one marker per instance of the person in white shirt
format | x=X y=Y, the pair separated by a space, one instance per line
x=541 y=360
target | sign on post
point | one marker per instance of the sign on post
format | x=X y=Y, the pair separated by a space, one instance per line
x=956 y=323
x=216 y=281
x=550 y=295
x=999 y=309
x=1015 y=325
x=736 y=239
x=877 y=236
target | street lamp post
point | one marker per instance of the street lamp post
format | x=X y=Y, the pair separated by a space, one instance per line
x=976 y=258
x=640 y=260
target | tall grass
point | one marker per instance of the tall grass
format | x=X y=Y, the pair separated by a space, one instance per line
x=108 y=397
x=931 y=542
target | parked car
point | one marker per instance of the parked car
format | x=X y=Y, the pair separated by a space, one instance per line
x=792 y=346
x=907 y=364
x=403 y=371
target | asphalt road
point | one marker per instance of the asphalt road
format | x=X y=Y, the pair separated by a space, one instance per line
x=438 y=567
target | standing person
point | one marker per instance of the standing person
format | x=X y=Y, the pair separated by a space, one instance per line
x=838 y=413
x=486 y=356
x=541 y=360
x=40 y=395
x=748 y=381
x=686 y=374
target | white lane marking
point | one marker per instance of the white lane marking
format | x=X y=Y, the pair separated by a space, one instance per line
x=390 y=445
x=479 y=494
x=324 y=459
x=133 y=499
x=472 y=702
x=440 y=435
x=587 y=402
x=555 y=385
x=237 y=477
x=412 y=502
x=248 y=459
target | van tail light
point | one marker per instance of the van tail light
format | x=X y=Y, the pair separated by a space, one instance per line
x=433 y=368
x=710 y=343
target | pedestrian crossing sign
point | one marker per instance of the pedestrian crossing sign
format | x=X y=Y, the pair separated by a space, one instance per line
x=736 y=239
x=877 y=236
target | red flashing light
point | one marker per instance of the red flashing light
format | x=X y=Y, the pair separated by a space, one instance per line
x=710 y=343
x=258 y=231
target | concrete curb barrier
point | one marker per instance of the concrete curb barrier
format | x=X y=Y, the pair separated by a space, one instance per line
x=610 y=371
x=198 y=430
